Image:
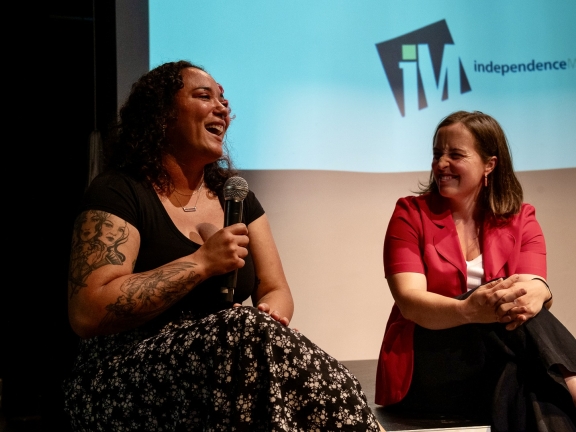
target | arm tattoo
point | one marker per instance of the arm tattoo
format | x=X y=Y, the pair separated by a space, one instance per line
x=96 y=238
x=147 y=295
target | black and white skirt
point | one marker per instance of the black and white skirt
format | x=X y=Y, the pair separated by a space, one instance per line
x=234 y=370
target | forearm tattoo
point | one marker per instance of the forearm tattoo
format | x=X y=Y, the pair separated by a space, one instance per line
x=146 y=295
x=96 y=238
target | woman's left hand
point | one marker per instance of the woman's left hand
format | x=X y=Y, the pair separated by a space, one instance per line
x=265 y=307
x=525 y=307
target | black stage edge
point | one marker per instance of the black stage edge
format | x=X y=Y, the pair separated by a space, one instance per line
x=365 y=371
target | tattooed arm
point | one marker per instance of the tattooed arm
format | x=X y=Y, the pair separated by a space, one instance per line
x=105 y=296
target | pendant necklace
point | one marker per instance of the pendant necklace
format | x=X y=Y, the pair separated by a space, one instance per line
x=197 y=192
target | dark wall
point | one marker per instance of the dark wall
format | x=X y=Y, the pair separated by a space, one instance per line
x=74 y=91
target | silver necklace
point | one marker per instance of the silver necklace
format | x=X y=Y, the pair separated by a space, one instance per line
x=197 y=192
x=188 y=195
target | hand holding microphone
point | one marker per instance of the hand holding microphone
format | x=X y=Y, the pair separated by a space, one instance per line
x=235 y=191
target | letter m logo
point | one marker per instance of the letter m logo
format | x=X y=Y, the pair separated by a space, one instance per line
x=422 y=66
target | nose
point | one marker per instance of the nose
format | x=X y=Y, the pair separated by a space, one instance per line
x=442 y=161
x=221 y=108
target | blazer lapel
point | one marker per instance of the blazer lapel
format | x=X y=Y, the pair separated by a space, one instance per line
x=445 y=237
x=498 y=244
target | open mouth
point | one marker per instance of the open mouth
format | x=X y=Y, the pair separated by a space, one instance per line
x=443 y=178
x=216 y=129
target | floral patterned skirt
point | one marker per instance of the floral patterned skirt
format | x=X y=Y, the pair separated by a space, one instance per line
x=235 y=370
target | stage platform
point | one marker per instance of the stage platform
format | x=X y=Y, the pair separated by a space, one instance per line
x=365 y=371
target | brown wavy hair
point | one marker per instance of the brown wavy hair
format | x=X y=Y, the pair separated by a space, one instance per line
x=136 y=144
x=503 y=197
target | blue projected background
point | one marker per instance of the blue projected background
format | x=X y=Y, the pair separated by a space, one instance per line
x=360 y=85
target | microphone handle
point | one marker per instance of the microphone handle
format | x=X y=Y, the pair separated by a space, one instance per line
x=232 y=215
x=227 y=290
x=232 y=212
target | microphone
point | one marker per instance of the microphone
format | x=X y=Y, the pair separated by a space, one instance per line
x=235 y=190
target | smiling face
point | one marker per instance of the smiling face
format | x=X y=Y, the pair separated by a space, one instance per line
x=202 y=118
x=457 y=167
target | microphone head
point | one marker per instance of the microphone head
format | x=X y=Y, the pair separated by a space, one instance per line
x=235 y=188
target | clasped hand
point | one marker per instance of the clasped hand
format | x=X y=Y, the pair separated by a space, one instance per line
x=508 y=301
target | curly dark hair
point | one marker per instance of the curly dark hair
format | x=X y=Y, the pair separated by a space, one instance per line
x=136 y=143
x=503 y=197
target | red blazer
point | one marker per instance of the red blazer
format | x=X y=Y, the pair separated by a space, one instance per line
x=421 y=238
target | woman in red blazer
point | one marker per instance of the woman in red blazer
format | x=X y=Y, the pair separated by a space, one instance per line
x=455 y=343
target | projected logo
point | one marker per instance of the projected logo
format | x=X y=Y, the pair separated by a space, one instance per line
x=422 y=66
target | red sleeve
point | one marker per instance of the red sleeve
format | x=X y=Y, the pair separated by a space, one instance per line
x=401 y=254
x=402 y=241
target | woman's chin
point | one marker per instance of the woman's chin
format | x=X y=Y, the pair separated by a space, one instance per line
x=446 y=191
